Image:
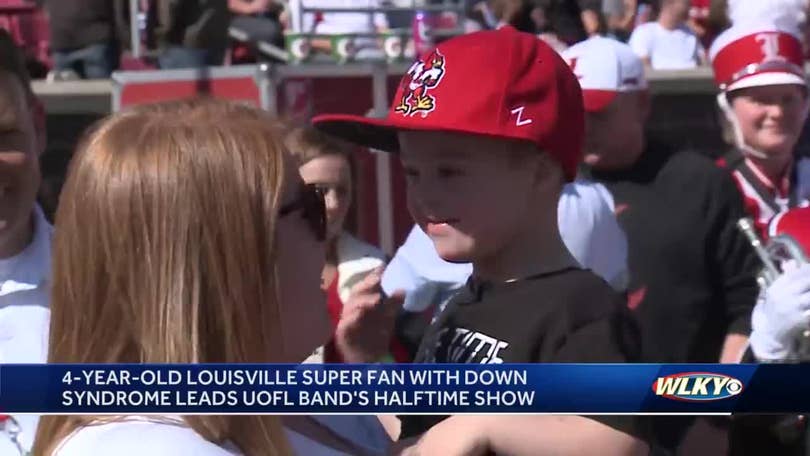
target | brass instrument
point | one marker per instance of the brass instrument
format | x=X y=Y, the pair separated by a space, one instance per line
x=777 y=249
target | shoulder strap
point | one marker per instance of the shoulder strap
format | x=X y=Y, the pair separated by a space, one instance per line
x=793 y=195
x=736 y=162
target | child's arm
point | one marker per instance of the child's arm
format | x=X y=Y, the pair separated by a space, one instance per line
x=525 y=435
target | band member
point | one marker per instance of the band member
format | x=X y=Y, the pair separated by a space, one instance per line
x=763 y=96
x=782 y=314
x=780 y=324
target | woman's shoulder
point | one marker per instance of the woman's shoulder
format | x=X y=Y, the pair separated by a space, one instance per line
x=139 y=436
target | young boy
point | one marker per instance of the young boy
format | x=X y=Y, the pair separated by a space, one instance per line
x=489 y=127
x=25 y=234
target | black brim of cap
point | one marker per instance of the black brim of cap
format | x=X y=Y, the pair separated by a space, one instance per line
x=379 y=134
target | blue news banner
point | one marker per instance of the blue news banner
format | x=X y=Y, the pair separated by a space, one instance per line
x=404 y=389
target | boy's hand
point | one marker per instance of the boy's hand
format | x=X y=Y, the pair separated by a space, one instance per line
x=366 y=325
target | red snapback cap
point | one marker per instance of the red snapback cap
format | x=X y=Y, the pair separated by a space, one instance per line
x=502 y=83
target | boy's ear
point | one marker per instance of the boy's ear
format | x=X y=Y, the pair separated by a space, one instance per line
x=547 y=170
x=38 y=117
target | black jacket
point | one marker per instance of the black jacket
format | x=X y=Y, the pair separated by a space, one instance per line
x=80 y=23
x=201 y=24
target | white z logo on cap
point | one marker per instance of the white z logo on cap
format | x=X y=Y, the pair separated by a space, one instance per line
x=770 y=46
x=520 y=120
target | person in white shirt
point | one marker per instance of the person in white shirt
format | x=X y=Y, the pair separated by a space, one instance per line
x=25 y=234
x=185 y=234
x=668 y=43
x=340 y=23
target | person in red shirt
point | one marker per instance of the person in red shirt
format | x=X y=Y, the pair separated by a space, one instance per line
x=763 y=95
x=707 y=20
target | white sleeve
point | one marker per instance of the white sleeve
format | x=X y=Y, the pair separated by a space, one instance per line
x=589 y=229
x=400 y=274
x=641 y=41
x=416 y=262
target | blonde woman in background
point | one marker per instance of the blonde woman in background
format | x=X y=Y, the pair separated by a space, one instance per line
x=353 y=270
x=186 y=235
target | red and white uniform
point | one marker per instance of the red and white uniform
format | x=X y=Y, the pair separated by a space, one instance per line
x=794 y=224
x=764 y=199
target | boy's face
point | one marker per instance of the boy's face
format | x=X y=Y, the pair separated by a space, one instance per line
x=19 y=166
x=470 y=194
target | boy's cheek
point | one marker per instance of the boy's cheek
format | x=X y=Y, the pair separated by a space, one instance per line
x=415 y=209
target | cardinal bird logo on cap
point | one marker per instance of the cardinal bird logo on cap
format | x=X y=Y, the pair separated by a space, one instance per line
x=423 y=76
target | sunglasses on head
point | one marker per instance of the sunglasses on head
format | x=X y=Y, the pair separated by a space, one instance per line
x=313 y=209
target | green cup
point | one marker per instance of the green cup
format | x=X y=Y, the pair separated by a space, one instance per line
x=298 y=47
x=394 y=46
x=343 y=48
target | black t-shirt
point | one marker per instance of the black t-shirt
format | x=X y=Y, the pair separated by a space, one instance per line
x=569 y=315
x=79 y=23
x=692 y=273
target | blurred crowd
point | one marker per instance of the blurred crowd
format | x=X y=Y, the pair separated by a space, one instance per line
x=548 y=225
x=92 y=38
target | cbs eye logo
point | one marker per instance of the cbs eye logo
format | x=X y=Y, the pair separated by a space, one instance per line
x=734 y=387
